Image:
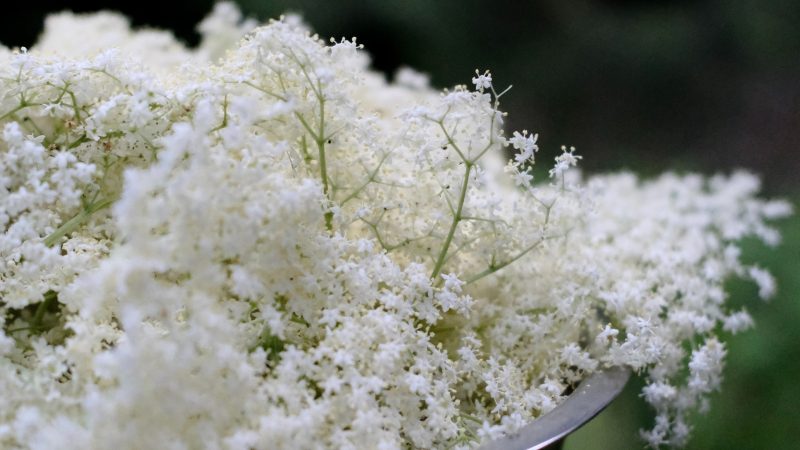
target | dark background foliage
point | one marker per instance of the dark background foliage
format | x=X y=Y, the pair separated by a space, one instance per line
x=645 y=85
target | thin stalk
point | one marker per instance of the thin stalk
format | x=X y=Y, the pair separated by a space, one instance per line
x=323 y=164
x=370 y=179
x=13 y=111
x=73 y=223
x=494 y=267
x=75 y=105
x=437 y=268
x=224 y=116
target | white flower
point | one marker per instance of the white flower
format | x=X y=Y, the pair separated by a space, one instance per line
x=260 y=242
x=564 y=161
x=765 y=282
x=737 y=322
x=408 y=77
x=523 y=178
x=452 y=283
x=482 y=80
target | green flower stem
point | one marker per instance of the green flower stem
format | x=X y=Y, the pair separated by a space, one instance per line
x=494 y=267
x=75 y=107
x=323 y=165
x=72 y=224
x=224 y=116
x=320 y=138
x=20 y=107
x=468 y=163
x=371 y=178
x=437 y=268
x=78 y=142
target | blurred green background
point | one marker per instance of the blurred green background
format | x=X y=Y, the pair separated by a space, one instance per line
x=645 y=85
x=759 y=404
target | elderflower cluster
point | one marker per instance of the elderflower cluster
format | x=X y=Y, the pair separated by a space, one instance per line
x=260 y=243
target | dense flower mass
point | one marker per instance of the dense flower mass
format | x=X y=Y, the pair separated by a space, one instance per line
x=260 y=243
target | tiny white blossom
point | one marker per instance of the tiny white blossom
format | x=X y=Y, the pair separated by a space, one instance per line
x=765 y=282
x=523 y=178
x=482 y=81
x=564 y=161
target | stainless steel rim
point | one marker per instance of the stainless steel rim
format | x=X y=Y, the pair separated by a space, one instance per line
x=590 y=397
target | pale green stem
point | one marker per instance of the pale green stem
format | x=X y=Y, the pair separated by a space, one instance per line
x=75 y=106
x=13 y=111
x=73 y=223
x=224 y=116
x=323 y=165
x=370 y=179
x=496 y=267
x=437 y=268
x=319 y=138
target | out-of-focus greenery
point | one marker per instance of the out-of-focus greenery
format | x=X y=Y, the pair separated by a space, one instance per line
x=758 y=405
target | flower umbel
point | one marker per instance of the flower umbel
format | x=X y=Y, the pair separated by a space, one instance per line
x=260 y=243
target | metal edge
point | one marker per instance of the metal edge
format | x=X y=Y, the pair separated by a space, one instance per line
x=590 y=397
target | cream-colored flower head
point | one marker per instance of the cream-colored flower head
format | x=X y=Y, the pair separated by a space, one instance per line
x=260 y=243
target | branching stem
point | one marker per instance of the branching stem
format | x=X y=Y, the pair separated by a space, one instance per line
x=457 y=217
